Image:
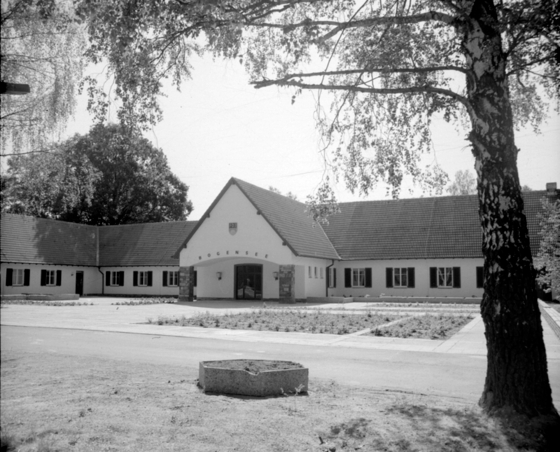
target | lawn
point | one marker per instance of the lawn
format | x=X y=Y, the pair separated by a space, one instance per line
x=283 y=320
x=53 y=402
x=324 y=322
x=425 y=327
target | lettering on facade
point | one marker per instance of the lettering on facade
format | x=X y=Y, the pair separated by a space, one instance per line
x=227 y=253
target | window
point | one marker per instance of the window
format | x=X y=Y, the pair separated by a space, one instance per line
x=321 y=272
x=309 y=272
x=357 y=277
x=170 y=278
x=400 y=277
x=142 y=278
x=51 y=277
x=445 y=277
x=480 y=277
x=114 y=278
x=315 y=272
x=331 y=277
x=17 y=276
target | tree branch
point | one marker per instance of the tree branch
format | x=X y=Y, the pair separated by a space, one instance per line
x=393 y=20
x=410 y=90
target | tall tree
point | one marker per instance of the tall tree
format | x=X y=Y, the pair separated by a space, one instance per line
x=42 y=46
x=464 y=184
x=387 y=67
x=108 y=176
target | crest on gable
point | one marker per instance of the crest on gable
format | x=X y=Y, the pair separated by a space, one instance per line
x=233 y=228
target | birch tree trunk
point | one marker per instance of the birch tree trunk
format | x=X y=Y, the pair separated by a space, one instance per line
x=517 y=374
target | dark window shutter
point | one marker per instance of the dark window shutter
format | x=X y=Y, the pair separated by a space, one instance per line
x=328 y=277
x=347 y=277
x=479 y=277
x=433 y=277
x=368 y=277
x=135 y=279
x=389 y=277
x=164 y=279
x=411 y=279
x=457 y=277
x=150 y=279
x=26 y=277
x=334 y=277
x=120 y=278
x=43 y=277
x=9 y=276
x=107 y=278
x=195 y=278
x=59 y=277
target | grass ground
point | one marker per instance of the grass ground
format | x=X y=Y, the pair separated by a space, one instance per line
x=324 y=322
x=51 y=402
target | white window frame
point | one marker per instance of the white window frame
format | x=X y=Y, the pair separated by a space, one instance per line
x=142 y=278
x=358 y=277
x=173 y=279
x=114 y=278
x=50 y=279
x=445 y=277
x=18 y=277
x=400 y=277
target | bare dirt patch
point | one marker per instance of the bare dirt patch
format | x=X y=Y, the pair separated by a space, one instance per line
x=254 y=366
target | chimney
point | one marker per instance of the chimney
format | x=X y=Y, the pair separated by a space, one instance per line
x=551 y=192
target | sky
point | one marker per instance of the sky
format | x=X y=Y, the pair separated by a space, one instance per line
x=220 y=127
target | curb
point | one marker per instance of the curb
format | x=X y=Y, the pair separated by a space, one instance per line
x=552 y=317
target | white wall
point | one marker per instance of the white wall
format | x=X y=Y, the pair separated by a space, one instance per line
x=92 y=280
x=157 y=287
x=254 y=238
x=422 y=278
x=208 y=285
x=314 y=286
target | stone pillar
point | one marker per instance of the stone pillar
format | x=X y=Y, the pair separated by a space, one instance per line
x=287 y=283
x=186 y=283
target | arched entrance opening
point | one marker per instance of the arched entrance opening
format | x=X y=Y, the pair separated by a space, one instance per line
x=248 y=281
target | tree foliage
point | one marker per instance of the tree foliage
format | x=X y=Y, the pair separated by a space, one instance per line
x=383 y=70
x=106 y=177
x=42 y=46
x=548 y=257
x=464 y=184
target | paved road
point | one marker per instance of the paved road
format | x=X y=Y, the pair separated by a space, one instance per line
x=452 y=367
x=434 y=373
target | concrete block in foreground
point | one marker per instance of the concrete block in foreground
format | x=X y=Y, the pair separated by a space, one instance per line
x=259 y=378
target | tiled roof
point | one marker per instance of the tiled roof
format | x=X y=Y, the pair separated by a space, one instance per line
x=291 y=222
x=42 y=241
x=424 y=228
x=142 y=244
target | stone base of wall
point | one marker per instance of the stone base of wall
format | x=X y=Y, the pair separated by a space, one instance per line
x=42 y=297
x=331 y=299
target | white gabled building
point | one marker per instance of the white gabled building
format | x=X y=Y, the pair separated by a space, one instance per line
x=255 y=244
